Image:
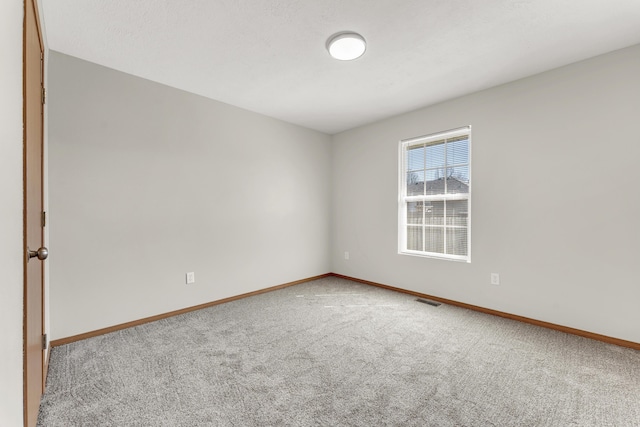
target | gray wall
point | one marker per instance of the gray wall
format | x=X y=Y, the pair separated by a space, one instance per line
x=555 y=202
x=149 y=182
x=11 y=255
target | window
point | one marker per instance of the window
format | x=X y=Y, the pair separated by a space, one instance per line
x=435 y=195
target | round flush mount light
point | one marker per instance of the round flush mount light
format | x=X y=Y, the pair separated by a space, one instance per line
x=346 y=45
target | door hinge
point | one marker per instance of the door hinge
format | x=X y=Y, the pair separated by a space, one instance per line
x=44 y=96
x=44 y=342
x=44 y=219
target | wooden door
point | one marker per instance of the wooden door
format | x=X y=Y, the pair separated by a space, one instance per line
x=34 y=371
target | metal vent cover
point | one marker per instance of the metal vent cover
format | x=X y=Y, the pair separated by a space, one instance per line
x=429 y=302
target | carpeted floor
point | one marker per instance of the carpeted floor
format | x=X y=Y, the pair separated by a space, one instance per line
x=337 y=353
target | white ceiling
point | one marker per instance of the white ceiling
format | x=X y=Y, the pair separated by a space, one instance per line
x=269 y=56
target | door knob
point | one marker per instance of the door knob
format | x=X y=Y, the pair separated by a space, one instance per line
x=41 y=253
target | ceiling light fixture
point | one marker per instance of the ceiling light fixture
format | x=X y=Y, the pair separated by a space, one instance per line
x=346 y=45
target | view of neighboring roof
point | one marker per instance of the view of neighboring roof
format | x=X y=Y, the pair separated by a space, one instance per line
x=436 y=186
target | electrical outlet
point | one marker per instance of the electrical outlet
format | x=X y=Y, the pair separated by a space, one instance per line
x=191 y=278
x=495 y=279
x=346 y=255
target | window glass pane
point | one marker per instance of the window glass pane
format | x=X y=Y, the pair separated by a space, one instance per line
x=434 y=239
x=415 y=183
x=434 y=183
x=414 y=238
x=435 y=156
x=458 y=150
x=415 y=158
x=457 y=241
x=434 y=174
x=414 y=212
x=458 y=179
x=457 y=212
x=434 y=213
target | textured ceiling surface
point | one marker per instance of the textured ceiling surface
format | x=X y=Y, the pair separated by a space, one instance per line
x=269 y=56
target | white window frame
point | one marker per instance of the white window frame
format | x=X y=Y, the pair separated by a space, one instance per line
x=404 y=200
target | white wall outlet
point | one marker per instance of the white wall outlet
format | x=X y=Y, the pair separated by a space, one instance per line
x=495 y=279
x=191 y=277
x=346 y=255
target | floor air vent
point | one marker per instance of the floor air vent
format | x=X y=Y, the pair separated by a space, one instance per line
x=429 y=302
